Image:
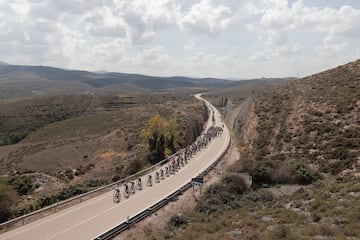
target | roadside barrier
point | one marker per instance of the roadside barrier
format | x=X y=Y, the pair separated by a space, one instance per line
x=30 y=217
x=85 y=196
x=33 y=216
x=155 y=207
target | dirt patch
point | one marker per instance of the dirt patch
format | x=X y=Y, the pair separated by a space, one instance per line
x=111 y=154
x=282 y=190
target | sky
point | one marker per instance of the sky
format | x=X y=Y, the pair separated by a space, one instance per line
x=236 y=39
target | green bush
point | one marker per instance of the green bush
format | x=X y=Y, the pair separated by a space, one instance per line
x=261 y=175
x=13 y=138
x=223 y=196
x=303 y=174
x=22 y=184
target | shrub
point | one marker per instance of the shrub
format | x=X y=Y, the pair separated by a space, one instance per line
x=234 y=183
x=22 y=184
x=261 y=174
x=223 y=196
x=303 y=174
x=134 y=166
x=261 y=195
x=284 y=174
x=13 y=138
x=177 y=221
x=7 y=199
x=281 y=232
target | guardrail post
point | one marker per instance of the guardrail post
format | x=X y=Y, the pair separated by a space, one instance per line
x=56 y=204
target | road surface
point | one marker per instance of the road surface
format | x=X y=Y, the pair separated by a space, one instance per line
x=89 y=219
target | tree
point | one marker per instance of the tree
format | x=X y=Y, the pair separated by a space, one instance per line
x=161 y=135
x=7 y=200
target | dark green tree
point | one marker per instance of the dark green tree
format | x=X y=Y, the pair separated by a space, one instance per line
x=161 y=136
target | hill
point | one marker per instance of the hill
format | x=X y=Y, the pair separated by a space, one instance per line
x=300 y=144
x=55 y=147
x=313 y=120
x=24 y=81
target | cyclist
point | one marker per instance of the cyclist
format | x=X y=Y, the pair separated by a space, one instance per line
x=117 y=194
x=139 y=183
x=132 y=187
x=157 y=177
x=126 y=190
x=162 y=173
x=149 y=180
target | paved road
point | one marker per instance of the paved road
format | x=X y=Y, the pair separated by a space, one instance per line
x=89 y=219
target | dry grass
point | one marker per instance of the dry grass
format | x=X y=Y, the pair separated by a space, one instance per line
x=306 y=130
x=97 y=143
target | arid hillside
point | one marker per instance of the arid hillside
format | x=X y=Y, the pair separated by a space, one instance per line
x=64 y=130
x=315 y=120
x=300 y=144
x=83 y=141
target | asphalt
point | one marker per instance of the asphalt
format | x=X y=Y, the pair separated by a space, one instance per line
x=89 y=219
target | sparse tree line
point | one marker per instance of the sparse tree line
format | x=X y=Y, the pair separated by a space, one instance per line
x=13 y=138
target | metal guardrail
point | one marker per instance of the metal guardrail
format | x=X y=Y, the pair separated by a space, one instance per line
x=123 y=226
x=155 y=207
x=63 y=204
x=30 y=217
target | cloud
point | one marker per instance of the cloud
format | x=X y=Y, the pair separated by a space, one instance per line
x=145 y=17
x=279 y=20
x=183 y=37
x=206 y=18
x=191 y=44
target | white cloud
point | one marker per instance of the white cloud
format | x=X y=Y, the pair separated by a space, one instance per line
x=191 y=44
x=181 y=37
x=145 y=17
x=207 y=18
x=280 y=21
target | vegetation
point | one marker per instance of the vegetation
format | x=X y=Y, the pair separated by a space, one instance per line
x=23 y=184
x=67 y=144
x=8 y=198
x=47 y=200
x=13 y=138
x=300 y=145
x=322 y=210
x=161 y=136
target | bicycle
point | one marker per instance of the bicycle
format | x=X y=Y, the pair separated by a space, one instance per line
x=116 y=197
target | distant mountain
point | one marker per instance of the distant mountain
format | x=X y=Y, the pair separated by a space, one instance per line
x=24 y=81
x=3 y=63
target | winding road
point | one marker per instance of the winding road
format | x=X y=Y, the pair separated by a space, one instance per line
x=89 y=219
